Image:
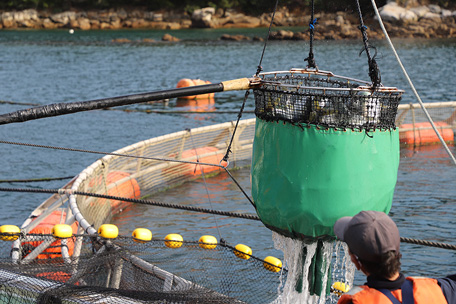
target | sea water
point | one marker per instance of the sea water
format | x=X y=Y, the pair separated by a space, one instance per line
x=44 y=67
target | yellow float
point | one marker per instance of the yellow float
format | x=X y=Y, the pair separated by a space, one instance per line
x=173 y=240
x=208 y=242
x=242 y=251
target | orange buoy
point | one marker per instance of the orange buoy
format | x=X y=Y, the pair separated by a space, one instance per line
x=46 y=227
x=208 y=155
x=186 y=82
x=423 y=134
x=128 y=189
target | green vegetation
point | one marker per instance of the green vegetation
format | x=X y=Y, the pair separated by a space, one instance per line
x=253 y=7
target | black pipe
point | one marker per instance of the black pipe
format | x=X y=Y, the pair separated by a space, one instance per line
x=57 y=109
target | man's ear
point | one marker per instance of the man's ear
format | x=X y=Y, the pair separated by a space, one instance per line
x=355 y=261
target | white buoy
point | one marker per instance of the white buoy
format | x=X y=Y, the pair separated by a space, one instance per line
x=71 y=31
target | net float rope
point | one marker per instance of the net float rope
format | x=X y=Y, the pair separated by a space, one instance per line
x=204 y=210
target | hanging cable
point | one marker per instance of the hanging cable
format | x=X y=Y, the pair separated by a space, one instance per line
x=260 y=68
x=34 y=180
x=228 y=149
x=136 y=157
x=313 y=21
x=108 y=153
x=374 y=72
x=411 y=83
x=19 y=103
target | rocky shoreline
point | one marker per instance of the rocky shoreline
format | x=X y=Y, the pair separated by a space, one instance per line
x=429 y=21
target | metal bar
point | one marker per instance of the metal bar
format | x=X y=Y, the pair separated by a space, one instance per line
x=360 y=88
x=314 y=72
x=38 y=250
x=116 y=274
x=428 y=105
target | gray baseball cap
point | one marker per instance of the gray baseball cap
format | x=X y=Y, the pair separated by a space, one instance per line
x=369 y=234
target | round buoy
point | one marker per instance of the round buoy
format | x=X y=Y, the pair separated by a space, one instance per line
x=243 y=251
x=62 y=231
x=142 y=235
x=9 y=232
x=272 y=264
x=173 y=240
x=108 y=231
x=339 y=288
x=207 y=242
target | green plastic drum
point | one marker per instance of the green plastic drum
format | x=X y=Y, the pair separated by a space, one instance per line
x=305 y=178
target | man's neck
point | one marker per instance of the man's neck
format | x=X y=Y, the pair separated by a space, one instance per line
x=394 y=277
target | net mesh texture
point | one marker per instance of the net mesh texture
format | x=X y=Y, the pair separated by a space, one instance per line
x=123 y=270
x=327 y=102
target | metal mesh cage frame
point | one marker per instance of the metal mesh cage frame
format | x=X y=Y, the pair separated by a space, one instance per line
x=326 y=100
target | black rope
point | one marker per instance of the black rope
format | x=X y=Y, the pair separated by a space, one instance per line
x=374 y=72
x=19 y=103
x=428 y=243
x=33 y=180
x=260 y=68
x=240 y=187
x=134 y=200
x=228 y=150
x=195 y=209
x=313 y=21
x=226 y=245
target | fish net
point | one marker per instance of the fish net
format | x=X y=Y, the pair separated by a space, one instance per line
x=86 y=268
x=323 y=99
x=123 y=270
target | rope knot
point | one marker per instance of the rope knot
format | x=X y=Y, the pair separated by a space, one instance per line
x=313 y=23
x=65 y=191
x=259 y=69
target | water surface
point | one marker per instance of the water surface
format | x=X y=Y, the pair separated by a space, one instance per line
x=44 y=67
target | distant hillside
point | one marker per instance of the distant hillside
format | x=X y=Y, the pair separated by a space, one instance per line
x=251 y=7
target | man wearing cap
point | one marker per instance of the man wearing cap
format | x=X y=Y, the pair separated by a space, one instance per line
x=373 y=241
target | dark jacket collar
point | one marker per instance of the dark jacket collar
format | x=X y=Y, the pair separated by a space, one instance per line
x=381 y=283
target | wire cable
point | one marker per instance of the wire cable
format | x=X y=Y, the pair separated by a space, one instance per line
x=133 y=200
x=260 y=68
x=35 y=180
x=411 y=83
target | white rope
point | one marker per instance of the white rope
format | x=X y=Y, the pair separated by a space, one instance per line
x=410 y=82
